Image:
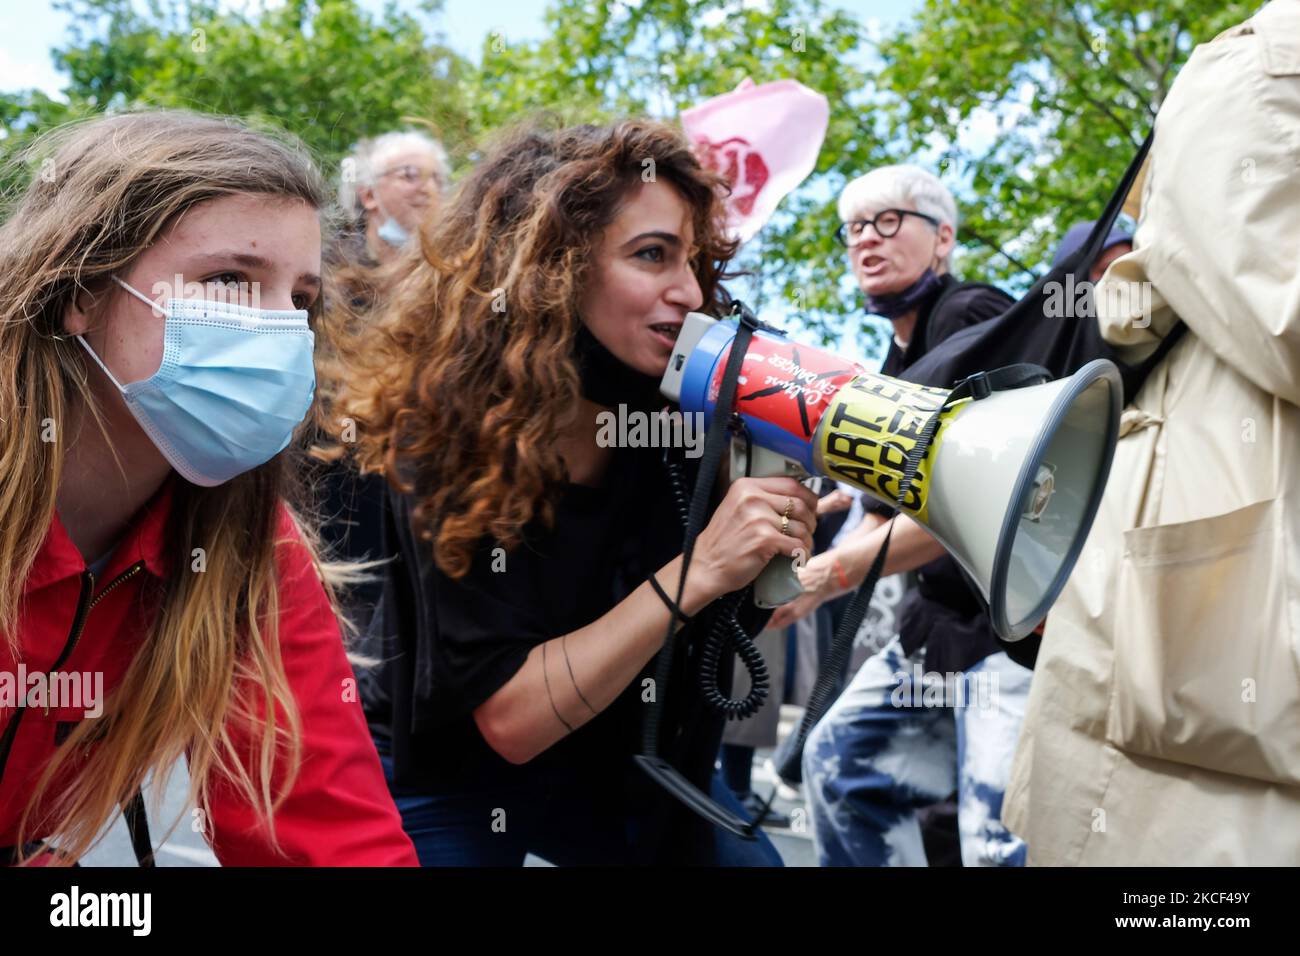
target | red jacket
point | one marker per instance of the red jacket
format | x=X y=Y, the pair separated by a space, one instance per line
x=339 y=811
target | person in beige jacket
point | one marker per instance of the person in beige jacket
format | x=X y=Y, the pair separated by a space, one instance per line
x=1163 y=726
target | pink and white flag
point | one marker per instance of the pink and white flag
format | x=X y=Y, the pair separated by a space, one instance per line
x=764 y=140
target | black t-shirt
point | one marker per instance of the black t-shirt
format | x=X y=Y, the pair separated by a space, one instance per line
x=450 y=644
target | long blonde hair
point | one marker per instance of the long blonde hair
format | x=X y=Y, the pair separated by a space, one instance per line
x=103 y=191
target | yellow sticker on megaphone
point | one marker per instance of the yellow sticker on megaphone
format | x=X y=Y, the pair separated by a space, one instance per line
x=869 y=429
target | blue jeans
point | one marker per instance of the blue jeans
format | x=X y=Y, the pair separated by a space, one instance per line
x=550 y=818
x=897 y=740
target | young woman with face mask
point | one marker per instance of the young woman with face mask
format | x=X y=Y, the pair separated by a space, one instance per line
x=523 y=615
x=162 y=284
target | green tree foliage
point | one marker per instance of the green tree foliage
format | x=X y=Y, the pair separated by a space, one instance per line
x=326 y=71
x=1059 y=96
x=1029 y=108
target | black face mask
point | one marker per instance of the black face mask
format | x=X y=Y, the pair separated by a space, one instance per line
x=607 y=381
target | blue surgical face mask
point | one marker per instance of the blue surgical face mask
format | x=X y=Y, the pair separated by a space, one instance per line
x=233 y=385
x=391 y=232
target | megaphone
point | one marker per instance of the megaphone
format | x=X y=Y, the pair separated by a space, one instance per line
x=1009 y=485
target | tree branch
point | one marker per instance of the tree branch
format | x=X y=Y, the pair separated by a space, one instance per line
x=972 y=234
x=1099 y=105
x=1082 y=32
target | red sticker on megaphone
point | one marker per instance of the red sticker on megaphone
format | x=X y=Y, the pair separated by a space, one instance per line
x=786 y=384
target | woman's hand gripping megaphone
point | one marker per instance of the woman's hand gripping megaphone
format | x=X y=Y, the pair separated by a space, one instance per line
x=745 y=533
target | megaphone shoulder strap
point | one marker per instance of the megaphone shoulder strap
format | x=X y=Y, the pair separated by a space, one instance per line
x=137 y=826
x=1133 y=375
x=1115 y=205
x=710 y=461
x=715 y=443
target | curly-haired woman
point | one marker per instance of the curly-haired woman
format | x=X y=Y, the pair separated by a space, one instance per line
x=523 y=613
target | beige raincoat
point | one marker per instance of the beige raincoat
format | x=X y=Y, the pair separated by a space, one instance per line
x=1163 y=726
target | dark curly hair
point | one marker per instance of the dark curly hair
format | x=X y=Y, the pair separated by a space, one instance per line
x=460 y=403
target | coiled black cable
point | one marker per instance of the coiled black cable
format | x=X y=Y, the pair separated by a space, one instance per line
x=725 y=633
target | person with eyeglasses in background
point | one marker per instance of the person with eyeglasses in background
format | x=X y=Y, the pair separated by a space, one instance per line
x=876 y=763
x=388 y=186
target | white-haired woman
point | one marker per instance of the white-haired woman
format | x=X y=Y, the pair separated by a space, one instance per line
x=892 y=744
x=389 y=185
x=900 y=226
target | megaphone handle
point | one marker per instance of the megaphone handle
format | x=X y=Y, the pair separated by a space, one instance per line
x=777 y=583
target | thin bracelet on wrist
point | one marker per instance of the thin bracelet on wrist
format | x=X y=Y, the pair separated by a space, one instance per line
x=673 y=609
x=839 y=573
